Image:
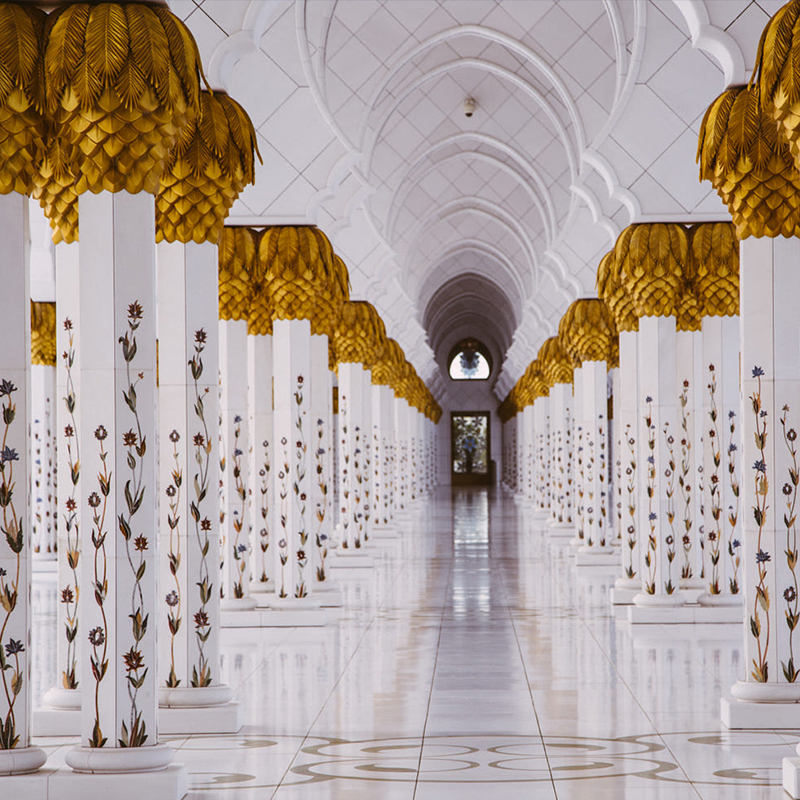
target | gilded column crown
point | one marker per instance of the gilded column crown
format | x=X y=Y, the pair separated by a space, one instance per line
x=536 y=381
x=212 y=161
x=653 y=267
x=714 y=259
x=43 y=333
x=555 y=362
x=22 y=126
x=360 y=335
x=259 y=310
x=587 y=332
x=612 y=289
x=403 y=379
x=778 y=73
x=390 y=360
x=237 y=263
x=122 y=84
x=304 y=278
x=749 y=164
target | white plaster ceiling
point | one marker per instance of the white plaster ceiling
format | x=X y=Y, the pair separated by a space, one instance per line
x=586 y=120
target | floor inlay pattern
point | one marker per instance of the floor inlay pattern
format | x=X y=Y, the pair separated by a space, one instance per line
x=474 y=661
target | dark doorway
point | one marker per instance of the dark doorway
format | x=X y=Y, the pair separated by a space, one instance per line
x=470 y=448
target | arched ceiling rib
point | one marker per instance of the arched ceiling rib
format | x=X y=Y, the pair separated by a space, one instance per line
x=585 y=121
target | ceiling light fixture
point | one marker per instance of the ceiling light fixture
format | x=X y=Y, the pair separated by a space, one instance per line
x=469 y=107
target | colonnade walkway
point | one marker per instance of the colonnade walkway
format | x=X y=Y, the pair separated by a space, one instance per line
x=474 y=661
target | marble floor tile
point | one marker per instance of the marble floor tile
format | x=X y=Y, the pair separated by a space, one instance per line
x=473 y=661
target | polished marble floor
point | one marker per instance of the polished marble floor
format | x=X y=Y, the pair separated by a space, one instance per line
x=473 y=662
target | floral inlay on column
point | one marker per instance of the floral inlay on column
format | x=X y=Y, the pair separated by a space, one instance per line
x=759 y=629
x=11 y=672
x=264 y=509
x=98 y=636
x=321 y=539
x=300 y=449
x=630 y=502
x=733 y=510
x=202 y=673
x=651 y=552
x=239 y=545
x=136 y=446
x=71 y=519
x=715 y=537
x=669 y=490
x=284 y=475
x=685 y=484
x=790 y=593
x=173 y=597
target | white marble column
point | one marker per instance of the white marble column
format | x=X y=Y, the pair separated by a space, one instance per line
x=579 y=456
x=235 y=429
x=401 y=410
x=561 y=412
x=659 y=438
x=596 y=547
x=769 y=287
x=191 y=695
x=292 y=460
x=16 y=753
x=43 y=462
x=320 y=463
x=119 y=507
x=351 y=463
x=63 y=701
x=688 y=451
x=367 y=499
x=626 y=412
x=722 y=467
x=259 y=402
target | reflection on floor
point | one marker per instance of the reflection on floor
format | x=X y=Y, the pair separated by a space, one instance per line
x=474 y=661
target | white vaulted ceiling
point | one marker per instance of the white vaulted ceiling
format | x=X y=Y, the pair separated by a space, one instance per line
x=586 y=120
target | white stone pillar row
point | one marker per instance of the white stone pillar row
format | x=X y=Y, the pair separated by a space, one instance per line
x=16 y=754
x=652 y=264
x=380 y=457
x=588 y=334
x=63 y=701
x=619 y=300
x=542 y=477
x=191 y=696
x=306 y=285
x=714 y=256
x=321 y=446
x=43 y=455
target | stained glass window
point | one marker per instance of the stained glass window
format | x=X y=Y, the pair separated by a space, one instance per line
x=469 y=361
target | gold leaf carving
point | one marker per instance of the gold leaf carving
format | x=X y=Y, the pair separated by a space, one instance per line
x=360 y=334
x=749 y=164
x=209 y=166
x=237 y=263
x=587 y=332
x=714 y=262
x=555 y=363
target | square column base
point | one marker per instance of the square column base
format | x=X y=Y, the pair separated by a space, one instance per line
x=384 y=532
x=226 y=718
x=279 y=618
x=597 y=559
x=171 y=783
x=623 y=597
x=329 y=596
x=741 y=715
x=49 y=721
x=350 y=559
x=685 y=614
x=791 y=777
x=31 y=786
